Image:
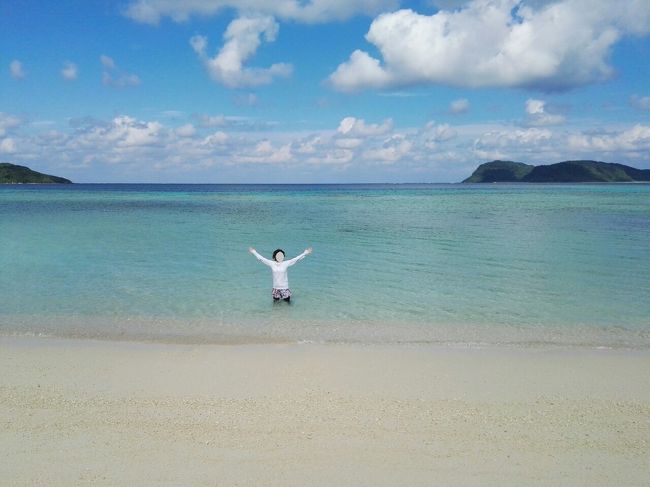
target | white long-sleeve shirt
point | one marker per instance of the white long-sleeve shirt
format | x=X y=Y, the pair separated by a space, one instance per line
x=279 y=269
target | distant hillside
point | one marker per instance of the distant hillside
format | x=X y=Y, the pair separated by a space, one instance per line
x=562 y=172
x=501 y=171
x=12 y=174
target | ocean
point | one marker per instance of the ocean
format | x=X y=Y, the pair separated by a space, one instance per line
x=451 y=264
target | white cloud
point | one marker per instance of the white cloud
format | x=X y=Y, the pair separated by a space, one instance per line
x=8 y=125
x=264 y=152
x=521 y=137
x=310 y=11
x=640 y=102
x=151 y=150
x=459 y=106
x=503 y=43
x=531 y=144
x=534 y=107
x=7 y=146
x=456 y=4
x=354 y=133
x=217 y=138
x=309 y=145
x=122 y=132
x=537 y=116
x=392 y=150
x=16 y=69
x=115 y=77
x=69 y=71
x=635 y=139
x=432 y=134
x=347 y=143
x=357 y=127
x=333 y=157
x=242 y=39
x=107 y=61
x=8 y=122
x=187 y=130
x=361 y=71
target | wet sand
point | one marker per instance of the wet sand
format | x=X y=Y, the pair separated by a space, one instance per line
x=83 y=412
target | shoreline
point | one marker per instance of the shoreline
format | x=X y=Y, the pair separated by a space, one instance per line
x=93 y=412
x=209 y=331
x=228 y=340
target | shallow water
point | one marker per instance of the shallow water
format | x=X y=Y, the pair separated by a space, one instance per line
x=560 y=264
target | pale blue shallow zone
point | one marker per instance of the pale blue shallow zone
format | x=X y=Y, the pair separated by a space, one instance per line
x=433 y=263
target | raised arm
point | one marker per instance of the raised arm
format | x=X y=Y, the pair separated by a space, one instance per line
x=291 y=262
x=264 y=260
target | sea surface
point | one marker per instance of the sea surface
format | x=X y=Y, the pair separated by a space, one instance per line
x=458 y=265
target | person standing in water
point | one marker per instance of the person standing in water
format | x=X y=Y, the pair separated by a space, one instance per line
x=279 y=268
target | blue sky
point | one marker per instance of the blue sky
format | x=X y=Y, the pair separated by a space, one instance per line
x=320 y=91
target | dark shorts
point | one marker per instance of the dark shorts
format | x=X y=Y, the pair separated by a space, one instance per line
x=281 y=293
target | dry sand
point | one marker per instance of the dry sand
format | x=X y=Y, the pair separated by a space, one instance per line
x=128 y=414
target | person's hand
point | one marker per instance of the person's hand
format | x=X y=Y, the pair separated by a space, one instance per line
x=251 y=249
x=308 y=251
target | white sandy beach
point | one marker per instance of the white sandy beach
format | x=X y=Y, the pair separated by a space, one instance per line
x=81 y=412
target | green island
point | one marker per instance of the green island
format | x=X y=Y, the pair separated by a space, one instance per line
x=561 y=172
x=14 y=174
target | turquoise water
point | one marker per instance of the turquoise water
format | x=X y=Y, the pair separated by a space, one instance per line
x=457 y=264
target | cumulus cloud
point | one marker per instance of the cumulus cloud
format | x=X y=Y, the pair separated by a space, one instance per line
x=242 y=39
x=439 y=151
x=531 y=144
x=308 y=145
x=333 y=157
x=537 y=115
x=432 y=134
x=122 y=132
x=113 y=76
x=459 y=106
x=353 y=133
x=265 y=152
x=16 y=69
x=310 y=11
x=634 y=140
x=216 y=138
x=640 y=102
x=501 y=43
x=391 y=150
x=361 y=71
x=8 y=124
x=349 y=143
x=523 y=137
x=457 y=4
x=69 y=71
x=357 y=127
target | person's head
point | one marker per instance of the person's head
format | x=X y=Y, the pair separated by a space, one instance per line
x=278 y=255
